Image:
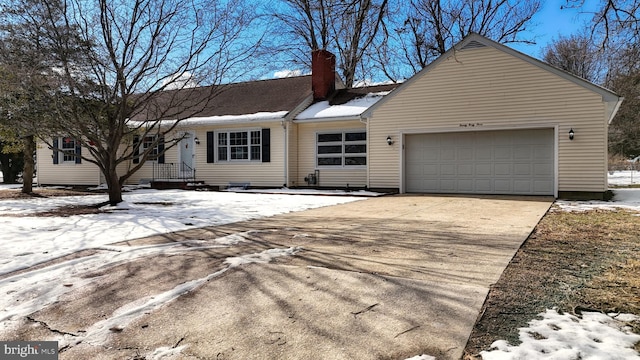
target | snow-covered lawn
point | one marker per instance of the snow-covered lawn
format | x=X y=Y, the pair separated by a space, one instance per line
x=563 y=336
x=28 y=239
x=624 y=178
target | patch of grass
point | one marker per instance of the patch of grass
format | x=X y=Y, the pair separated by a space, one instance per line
x=571 y=261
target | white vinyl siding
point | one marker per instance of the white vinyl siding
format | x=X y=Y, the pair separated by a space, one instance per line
x=221 y=173
x=487 y=89
x=49 y=173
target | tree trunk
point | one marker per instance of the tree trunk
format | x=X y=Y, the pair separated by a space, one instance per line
x=115 y=190
x=29 y=148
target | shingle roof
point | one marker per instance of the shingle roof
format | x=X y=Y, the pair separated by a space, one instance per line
x=274 y=95
x=343 y=96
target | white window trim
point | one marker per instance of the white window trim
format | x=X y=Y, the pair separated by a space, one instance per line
x=343 y=154
x=229 y=160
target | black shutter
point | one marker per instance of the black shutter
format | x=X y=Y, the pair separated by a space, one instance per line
x=78 y=153
x=136 y=141
x=266 y=145
x=55 y=152
x=210 y=147
x=161 y=151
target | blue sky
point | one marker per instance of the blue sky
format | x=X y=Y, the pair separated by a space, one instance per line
x=552 y=21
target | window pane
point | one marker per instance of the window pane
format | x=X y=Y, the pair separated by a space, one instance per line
x=255 y=137
x=239 y=153
x=222 y=154
x=357 y=136
x=355 y=149
x=330 y=149
x=68 y=143
x=329 y=137
x=255 y=152
x=330 y=161
x=355 y=160
x=222 y=139
x=238 y=138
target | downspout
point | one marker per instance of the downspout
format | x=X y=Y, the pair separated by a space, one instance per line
x=285 y=127
x=366 y=122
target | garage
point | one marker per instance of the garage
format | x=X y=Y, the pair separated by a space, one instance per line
x=513 y=162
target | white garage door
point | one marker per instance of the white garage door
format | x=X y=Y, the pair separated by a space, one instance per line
x=481 y=162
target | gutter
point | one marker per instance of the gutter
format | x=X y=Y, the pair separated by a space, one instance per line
x=329 y=119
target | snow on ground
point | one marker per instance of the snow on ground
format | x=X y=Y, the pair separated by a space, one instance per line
x=595 y=335
x=28 y=239
x=624 y=178
x=564 y=336
x=623 y=198
x=144 y=213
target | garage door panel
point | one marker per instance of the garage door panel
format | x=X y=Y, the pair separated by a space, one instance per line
x=522 y=152
x=448 y=185
x=543 y=169
x=465 y=185
x=447 y=155
x=489 y=162
x=502 y=153
x=502 y=186
x=521 y=169
x=483 y=186
x=543 y=186
x=465 y=154
x=502 y=169
x=465 y=170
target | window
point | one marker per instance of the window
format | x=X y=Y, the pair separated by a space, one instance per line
x=147 y=143
x=66 y=150
x=348 y=148
x=239 y=145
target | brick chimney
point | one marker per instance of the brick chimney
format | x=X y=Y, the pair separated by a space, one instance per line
x=323 y=74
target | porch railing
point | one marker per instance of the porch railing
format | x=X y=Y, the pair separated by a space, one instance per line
x=173 y=172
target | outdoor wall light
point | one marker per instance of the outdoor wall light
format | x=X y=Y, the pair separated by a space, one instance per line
x=389 y=141
x=197 y=141
x=571 y=133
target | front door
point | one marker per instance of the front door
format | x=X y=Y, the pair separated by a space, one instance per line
x=186 y=155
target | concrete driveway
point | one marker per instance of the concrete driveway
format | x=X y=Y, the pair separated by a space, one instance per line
x=383 y=278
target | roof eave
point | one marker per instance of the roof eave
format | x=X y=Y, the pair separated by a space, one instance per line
x=614 y=107
x=327 y=119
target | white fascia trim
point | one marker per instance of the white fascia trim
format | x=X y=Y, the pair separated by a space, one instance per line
x=328 y=119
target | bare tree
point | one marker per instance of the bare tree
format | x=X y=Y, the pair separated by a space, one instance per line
x=578 y=55
x=624 y=78
x=426 y=29
x=346 y=27
x=615 y=27
x=614 y=20
x=122 y=60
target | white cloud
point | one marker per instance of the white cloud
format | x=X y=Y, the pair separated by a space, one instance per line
x=184 y=80
x=287 y=73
